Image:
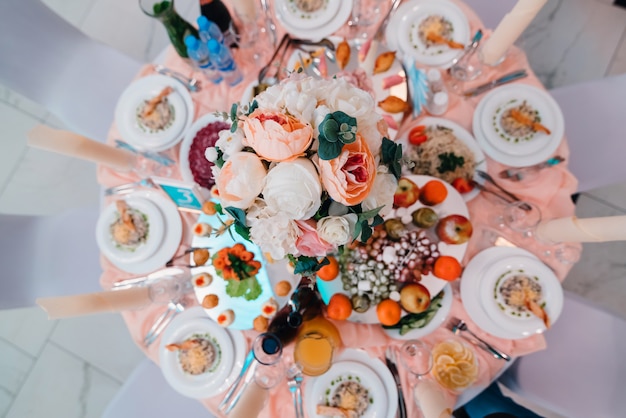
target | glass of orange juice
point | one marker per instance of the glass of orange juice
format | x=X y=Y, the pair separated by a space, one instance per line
x=315 y=345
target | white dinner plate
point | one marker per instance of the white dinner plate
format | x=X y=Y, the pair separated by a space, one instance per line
x=320 y=389
x=240 y=345
x=526 y=323
x=471 y=289
x=317 y=33
x=435 y=322
x=454 y=204
x=536 y=147
x=173 y=228
x=289 y=11
x=269 y=274
x=185 y=145
x=413 y=14
x=154 y=239
x=202 y=385
x=463 y=136
x=144 y=89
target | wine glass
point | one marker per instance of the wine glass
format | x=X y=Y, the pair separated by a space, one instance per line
x=522 y=217
x=268 y=351
x=416 y=357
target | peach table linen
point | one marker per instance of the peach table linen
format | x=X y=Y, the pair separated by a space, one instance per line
x=552 y=194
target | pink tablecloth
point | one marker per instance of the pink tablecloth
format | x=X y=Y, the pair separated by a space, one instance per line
x=551 y=194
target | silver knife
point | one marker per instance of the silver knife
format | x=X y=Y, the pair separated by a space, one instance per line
x=249 y=359
x=396 y=377
x=143 y=280
x=516 y=75
x=246 y=382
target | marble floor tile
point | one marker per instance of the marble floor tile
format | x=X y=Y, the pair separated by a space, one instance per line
x=18 y=101
x=62 y=385
x=573 y=40
x=618 y=64
x=74 y=11
x=6 y=400
x=59 y=181
x=15 y=365
x=26 y=328
x=613 y=196
x=101 y=340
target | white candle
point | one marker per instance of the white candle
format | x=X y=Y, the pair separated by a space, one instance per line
x=74 y=145
x=91 y=303
x=509 y=29
x=251 y=403
x=245 y=9
x=429 y=397
x=572 y=229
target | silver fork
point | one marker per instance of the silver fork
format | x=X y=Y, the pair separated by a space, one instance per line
x=457 y=326
x=173 y=309
x=191 y=84
x=130 y=187
x=294 y=381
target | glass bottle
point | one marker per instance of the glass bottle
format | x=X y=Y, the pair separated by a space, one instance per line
x=177 y=27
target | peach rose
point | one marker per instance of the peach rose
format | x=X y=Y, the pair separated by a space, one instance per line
x=348 y=178
x=240 y=180
x=276 y=136
x=309 y=243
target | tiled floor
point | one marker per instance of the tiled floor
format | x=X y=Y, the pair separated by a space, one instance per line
x=72 y=368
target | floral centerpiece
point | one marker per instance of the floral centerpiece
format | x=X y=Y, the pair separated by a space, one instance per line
x=306 y=169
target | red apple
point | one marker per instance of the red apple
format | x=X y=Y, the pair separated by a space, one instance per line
x=454 y=229
x=406 y=194
x=414 y=298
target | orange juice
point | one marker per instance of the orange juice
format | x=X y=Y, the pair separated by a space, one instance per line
x=317 y=340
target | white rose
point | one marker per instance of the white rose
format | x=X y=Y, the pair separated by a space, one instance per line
x=240 y=180
x=381 y=194
x=351 y=100
x=275 y=235
x=337 y=230
x=293 y=189
x=258 y=210
x=229 y=142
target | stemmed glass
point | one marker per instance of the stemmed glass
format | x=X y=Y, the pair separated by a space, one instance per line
x=522 y=217
x=417 y=358
x=363 y=16
x=268 y=351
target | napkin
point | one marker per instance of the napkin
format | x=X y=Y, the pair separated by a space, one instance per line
x=573 y=229
x=509 y=29
x=91 y=303
x=431 y=400
x=74 y=145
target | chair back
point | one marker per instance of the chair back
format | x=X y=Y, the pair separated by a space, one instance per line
x=146 y=393
x=48 y=256
x=582 y=373
x=56 y=65
x=596 y=131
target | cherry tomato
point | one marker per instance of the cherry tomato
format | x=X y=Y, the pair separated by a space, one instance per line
x=417 y=136
x=462 y=185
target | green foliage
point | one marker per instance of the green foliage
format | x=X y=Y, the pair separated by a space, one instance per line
x=336 y=130
x=249 y=288
x=307 y=265
x=449 y=161
x=240 y=221
x=391 y=154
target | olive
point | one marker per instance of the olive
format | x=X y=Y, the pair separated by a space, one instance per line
x=360 y=303
x=424 y=217
x=395 y=228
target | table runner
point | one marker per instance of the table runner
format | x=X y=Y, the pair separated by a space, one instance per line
x=551 y=193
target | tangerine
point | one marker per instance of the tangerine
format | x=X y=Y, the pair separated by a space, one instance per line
x=330 y=271
x=339 y=307
x=447 y=268
x=433 y=193
x=389 y=312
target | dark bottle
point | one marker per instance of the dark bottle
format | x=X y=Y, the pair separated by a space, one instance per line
x=304 y=305
x=216 y=11
x=177 y=27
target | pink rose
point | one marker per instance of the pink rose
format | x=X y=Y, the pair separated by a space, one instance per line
x=309 y=243
x=348 y=178
x=276 y=136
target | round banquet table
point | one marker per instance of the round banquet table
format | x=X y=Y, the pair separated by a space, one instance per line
x=551 y=193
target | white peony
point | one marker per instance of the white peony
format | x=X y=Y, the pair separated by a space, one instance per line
x=381 y=194
x=240 y=180
x=337 y=230
x=229 y=142
x=275 y=235
x=210 y=154
x=293 y=189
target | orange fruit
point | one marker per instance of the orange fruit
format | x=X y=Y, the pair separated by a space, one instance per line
x=433 y=193
x=447 y=268
x=389 y=312
x=339 y=307
x=329 y=271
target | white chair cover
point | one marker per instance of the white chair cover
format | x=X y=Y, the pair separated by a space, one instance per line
x=582 y=373
x=596 y=133
x=147 y=394
x=56 y=65
x=48 y=256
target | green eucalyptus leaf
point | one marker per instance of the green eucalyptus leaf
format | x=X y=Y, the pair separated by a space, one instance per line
x=329 y=150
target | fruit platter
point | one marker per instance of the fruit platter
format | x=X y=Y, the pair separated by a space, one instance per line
x=408 y=260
